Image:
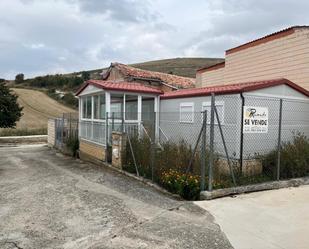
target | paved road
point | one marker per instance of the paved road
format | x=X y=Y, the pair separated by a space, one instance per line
x=51 y=201
x=275 y=219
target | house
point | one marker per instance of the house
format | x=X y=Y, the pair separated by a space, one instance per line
x=230 y=101
x=107 y=106
x=164 y=82
x=283 y=54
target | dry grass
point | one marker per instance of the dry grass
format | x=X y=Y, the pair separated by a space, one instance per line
x=38 y=107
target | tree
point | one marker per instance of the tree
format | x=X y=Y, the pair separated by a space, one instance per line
x=19 y=78
x=85 y=75
x=10 y=111
x=2 y=80
x=70 y=99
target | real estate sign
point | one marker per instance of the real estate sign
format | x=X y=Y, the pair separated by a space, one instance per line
x=255 y=119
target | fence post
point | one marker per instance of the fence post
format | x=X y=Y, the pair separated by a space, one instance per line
x=62 y=130
x=113 y=121
x=152 y=158
x=122 y=123
x=279 y=141
x=241 y=148
x=203 y=152
x=106 y=136
x=211 y=145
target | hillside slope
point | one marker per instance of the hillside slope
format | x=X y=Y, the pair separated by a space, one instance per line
x=179 y=66
x=38 y=107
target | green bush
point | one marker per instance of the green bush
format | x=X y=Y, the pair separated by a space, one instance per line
x=186 y=185
x=141 y=149
x=294 y=159
x=72 y=143
x=177 y=156
x=170 y=165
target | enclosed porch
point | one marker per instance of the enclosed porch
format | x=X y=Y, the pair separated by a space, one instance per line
x=123 y=107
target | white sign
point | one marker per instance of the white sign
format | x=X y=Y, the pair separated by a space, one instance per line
x=255 y=119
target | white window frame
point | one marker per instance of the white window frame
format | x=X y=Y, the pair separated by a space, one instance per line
x=83 y=98
x=186 y=104
x=208 y=104
x=99 y=97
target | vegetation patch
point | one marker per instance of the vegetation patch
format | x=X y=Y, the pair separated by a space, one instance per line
x=294 y=159
x=22 y=132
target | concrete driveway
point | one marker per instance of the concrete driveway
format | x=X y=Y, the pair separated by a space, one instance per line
x=51 y=201
x=276 y=219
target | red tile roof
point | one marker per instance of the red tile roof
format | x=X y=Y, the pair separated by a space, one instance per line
x=170 y=79
x=266 y=38
x=232 y=89
x=119 y=86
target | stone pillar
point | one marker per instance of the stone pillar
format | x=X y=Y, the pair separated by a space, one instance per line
x=51 y=130
x=118 y=148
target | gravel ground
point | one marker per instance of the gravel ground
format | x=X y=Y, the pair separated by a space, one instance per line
x=48 y=200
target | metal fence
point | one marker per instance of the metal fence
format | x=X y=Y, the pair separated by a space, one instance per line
x=217 y=147
x=215 y=144
x=66 y=129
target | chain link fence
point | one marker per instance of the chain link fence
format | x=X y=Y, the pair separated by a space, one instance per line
x=66 y=133
x=214 y=148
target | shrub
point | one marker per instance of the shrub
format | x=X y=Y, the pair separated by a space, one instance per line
x=19 y=78
x=186 y=185
x=141 y=149
x=73 y=145
x=294 y=158
x=177 y=156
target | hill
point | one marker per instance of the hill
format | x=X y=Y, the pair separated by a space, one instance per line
x=179 y=66
x=38 y=107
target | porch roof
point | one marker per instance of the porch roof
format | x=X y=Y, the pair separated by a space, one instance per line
x=119 y=86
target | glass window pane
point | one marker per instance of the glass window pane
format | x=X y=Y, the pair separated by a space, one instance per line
x=84 y=103
x=96 y=107
x=147 y=109
x=117 y=105
x=88 y=108
x=186 y=113
x=131 y=107
x=102 y=106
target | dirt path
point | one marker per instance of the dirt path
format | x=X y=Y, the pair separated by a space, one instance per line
x=51 y=201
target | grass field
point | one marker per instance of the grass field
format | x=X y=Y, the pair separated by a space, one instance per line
x=38 y=107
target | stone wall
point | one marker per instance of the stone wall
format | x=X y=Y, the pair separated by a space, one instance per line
x=91 y=150
x=250 y=167
x=51 y=129
x=119 y=146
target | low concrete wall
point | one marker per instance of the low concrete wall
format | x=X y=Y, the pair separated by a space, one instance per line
x=207 y=195
x=24 y=139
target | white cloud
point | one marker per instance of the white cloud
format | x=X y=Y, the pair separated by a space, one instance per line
x=41 y=37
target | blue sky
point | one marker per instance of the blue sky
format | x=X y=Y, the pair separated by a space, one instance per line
x=58 y=36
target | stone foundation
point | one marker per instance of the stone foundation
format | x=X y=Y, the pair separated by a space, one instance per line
x=91 y=150
x=250 y=167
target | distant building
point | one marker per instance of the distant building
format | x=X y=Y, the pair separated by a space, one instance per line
x=284 y=54
x=118 y=72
